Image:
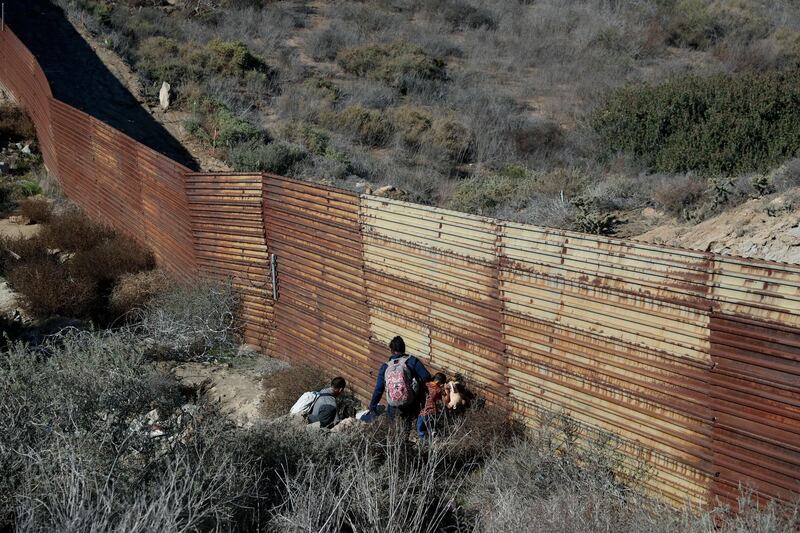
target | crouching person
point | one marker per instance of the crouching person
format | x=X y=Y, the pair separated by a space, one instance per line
x=426 y=421
x=326 y=408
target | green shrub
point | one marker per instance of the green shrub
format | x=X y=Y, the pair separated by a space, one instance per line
x=368 y=126
x=451 y=138
x=591 y=218
x=720 y=124
x=484 y=195
x=692 y=24
x=278 y=158
x=232 y=58
x=161 y=59
x=315 y=139
x=412 y=125
x=391 y=63
x=214 y=123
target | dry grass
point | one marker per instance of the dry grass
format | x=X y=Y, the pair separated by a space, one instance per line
x=134 y=291
x=72 y=231
x=36 y=210
x=15 y=125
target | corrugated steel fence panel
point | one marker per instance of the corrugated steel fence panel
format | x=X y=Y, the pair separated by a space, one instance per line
x=125 y=184
x=755 y=381
x=616 y=334
x=21 y=75
x=321 y=313
x=230 y=242
x=432 y=278
x=692 y=358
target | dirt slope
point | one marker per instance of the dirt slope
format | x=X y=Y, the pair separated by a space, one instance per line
x=765 y=228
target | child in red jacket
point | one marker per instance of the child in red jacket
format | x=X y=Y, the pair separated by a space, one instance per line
x=436 y=394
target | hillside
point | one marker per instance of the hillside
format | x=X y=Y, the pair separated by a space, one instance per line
x=545 y=112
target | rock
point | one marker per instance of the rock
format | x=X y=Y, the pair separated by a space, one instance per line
x=26 y=149
x=385 y=190
x=189 y=409
x=152 y=417
x=247 y=350
x=164 y=96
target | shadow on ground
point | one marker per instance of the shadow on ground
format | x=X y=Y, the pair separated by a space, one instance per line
x=79 y=78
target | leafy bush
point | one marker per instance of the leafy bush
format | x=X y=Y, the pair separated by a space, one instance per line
x=36 y=210
x=160 y=59
x=483 y=195
x=315 y=139
x=368 y=126
x=233 y=58
x=451 y=139
x=278 y=157
x=391 y=63
x=692 y=23
x=214 y=123
x=412 y=125
x=593 y=218
x=719 y=124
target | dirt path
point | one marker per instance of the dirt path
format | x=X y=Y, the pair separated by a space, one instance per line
x=236 y=386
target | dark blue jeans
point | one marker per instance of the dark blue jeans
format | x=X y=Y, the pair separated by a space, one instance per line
x=425 y=426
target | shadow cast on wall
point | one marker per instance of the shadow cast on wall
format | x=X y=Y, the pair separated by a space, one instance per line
x=79 y=78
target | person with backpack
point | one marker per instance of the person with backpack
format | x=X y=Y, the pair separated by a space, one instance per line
x=402 y=378
x=321 y=406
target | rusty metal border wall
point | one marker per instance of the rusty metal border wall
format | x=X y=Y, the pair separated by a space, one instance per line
x=691 y=358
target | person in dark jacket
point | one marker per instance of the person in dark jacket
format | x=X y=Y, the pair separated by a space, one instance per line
x=418 y=371
x=326 y=408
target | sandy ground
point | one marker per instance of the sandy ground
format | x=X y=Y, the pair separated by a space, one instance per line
x=13 y=229
x=236 y=386
x=764 y=228
x=8 y=298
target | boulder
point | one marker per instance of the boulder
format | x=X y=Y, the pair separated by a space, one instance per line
x=164 y=96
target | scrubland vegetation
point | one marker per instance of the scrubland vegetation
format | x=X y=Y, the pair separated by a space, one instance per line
x=572 y=114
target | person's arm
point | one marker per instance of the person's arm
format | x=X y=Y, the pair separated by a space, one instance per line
x=379 y=387
x=419 y=369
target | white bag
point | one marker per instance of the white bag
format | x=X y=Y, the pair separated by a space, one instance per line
x=304 y=404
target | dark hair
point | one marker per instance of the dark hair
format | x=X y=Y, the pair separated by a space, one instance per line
x=397 y=345
x=439 y=377
x=338 y=383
